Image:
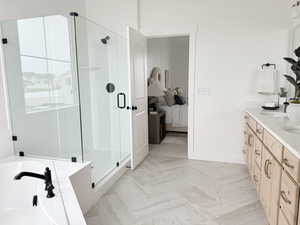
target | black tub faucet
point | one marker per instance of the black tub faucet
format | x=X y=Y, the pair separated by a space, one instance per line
x=285 y=106
x=46 y=177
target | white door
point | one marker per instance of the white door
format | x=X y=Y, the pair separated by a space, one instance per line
x=139 y=99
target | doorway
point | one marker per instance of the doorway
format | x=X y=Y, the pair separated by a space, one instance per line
x=168 y=94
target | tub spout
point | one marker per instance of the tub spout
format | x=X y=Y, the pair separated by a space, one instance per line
x=46 y=177
x=29 y=174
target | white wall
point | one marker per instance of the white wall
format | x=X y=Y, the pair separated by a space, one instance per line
x=172 y=54
x=16 y=9
x=113 y=14
x=234 y=38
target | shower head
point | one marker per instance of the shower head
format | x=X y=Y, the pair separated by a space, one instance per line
x=105 y=40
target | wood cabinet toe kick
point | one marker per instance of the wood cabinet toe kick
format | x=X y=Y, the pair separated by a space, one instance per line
x=275 y=172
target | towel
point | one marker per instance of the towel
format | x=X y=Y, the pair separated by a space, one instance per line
x=267 y=81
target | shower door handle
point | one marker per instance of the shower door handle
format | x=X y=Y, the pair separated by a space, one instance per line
x=124 y=100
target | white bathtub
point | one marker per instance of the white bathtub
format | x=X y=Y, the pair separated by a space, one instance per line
x=16 y=196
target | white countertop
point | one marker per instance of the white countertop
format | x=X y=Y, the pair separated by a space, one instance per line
x=277 y=126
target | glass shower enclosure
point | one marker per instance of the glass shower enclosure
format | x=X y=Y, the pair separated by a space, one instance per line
x=68 y=85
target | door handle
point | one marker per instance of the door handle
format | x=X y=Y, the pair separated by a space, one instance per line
x=265 y=167
x=286 y=162
x=118 y=100
x=133 y=108
x=268 y=166
x=285 y=198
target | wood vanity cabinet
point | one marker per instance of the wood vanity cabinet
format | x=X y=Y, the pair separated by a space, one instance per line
x=249 y=145
x=258 y=150
x=270 y=186
x=275 y=171
x=246 y=151
x=251 y=149
x=289 y=198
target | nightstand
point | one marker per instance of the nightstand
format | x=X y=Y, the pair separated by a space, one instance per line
x=157 y=127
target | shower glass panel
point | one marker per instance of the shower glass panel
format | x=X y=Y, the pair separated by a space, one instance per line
x=102 y=63
x=67 y=80
x=42 y=86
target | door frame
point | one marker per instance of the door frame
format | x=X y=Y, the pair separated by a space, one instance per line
x=192 y=34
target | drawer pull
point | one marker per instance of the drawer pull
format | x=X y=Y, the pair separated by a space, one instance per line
x=255 y=179
x=246 y=117
x=257 y=152
x=286 y=162
x=259 y=131
x=266 y=168
x=285 y=198
x=249 y=140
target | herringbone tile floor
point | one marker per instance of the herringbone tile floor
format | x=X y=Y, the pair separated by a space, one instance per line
x=168 y=189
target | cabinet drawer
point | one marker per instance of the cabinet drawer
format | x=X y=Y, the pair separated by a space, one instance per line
x=291 y=164
x=247 y=117
x=252 y=123
x=282 y=219
x=274 y=146
x=259 y=131
x=256 y=177
x=258 y=152
x=289 y=194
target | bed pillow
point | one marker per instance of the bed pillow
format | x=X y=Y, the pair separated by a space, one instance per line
x=162 y=100
x=169 y=97
x=179 y=100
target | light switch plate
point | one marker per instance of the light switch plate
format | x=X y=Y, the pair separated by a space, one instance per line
x=204 y=91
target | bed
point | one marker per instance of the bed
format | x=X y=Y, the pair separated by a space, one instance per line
x=176 y=117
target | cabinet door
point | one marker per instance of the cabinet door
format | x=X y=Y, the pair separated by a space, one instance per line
x=251 y=148
x=256 y=177
x=270 y=186
x=281 y=219
x=265 y=181
x=289 y=198
x=274 y=172
x=246 y=140
x=257 y=152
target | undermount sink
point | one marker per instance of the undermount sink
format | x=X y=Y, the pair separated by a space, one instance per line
x=295 y=129
x=273 y=113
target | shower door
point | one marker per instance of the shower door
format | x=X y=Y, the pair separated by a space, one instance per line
x=103 y=87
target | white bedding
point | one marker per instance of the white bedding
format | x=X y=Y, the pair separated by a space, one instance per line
x=176 y=115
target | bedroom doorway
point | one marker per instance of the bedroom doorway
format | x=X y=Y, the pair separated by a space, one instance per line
x=168 y=91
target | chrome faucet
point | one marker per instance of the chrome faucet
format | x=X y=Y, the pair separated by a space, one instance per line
x=46 y=177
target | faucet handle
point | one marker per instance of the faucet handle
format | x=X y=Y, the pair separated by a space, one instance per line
x=49 y=185
x=50 y=193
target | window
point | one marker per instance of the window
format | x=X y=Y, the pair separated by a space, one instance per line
x=45 y=54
